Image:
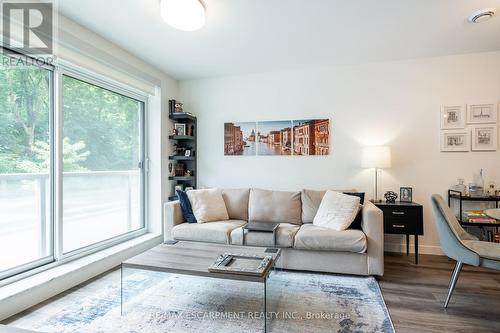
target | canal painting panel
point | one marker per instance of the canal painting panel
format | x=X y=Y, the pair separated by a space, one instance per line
x=239 y=138
x=311 y=137
x=274 y=138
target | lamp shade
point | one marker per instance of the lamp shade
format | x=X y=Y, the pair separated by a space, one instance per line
x=376 y=157
x=186 y=15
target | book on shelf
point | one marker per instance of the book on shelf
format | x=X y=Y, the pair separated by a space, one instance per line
x=477 y=216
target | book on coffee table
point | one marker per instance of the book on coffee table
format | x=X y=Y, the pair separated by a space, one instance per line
x=244 y=264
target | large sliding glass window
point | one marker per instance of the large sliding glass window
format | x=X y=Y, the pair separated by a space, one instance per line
x=102 y=154
x=25 y=155
x=72 y=176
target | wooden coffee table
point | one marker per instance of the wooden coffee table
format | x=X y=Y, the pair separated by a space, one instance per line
x=193 y=258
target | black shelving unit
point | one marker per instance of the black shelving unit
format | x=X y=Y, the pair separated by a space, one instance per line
x=190 y=162
x=457 y=195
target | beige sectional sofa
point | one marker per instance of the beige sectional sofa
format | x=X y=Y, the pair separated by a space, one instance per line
x=304 y=245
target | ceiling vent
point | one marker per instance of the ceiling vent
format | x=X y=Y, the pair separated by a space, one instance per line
x=482 y=15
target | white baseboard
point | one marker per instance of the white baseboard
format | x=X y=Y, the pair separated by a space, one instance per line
x=422 y=249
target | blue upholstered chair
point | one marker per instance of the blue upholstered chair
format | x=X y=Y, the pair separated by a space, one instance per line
x=460 y=246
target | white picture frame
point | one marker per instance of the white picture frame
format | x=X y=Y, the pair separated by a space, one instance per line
x=484 y=138
x=482 y=113
x=455 y=140
x=452 y=116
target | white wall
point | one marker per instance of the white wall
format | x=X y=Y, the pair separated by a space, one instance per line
x=394 y=103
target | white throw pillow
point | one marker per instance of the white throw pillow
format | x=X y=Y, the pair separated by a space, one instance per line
x=337 y=211
x=208 y=205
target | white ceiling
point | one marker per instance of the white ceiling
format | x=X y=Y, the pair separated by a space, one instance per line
x=248 y=36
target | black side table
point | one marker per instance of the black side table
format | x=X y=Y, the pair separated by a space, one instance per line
x=403 y=218
x=270 y=227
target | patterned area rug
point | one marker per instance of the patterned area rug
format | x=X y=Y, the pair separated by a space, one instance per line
x=158 y=302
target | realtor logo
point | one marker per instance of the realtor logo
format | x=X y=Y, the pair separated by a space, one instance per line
x=28 y=27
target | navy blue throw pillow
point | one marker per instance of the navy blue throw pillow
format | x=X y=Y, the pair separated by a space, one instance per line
x=356 y=224
x=187 y=210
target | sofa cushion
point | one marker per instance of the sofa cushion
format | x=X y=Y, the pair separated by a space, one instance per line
x=285 y=235
x=208 y=205
x=213 y=232
x=311 y=237
x=310 y=203
x=236 y=203
x=274 y=206
x=337 y=211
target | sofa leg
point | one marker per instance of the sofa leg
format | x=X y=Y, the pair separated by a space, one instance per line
x=453 y=281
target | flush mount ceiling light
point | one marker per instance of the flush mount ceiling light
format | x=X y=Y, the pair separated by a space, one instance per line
x=482 y=15
x=185 y=15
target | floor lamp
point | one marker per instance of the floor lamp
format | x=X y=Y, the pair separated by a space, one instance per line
x=376 y=157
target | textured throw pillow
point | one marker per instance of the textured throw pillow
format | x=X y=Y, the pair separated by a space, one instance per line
x=208 y=205
x=337 y=211
x=186 y=208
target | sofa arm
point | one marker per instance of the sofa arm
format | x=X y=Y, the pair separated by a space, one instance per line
x=172 y=216
x=373 y=226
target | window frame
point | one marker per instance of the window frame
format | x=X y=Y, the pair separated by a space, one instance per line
x=50 y=258
x=57 y=256
x=86 y=76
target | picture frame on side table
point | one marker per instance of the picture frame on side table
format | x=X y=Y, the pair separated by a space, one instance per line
x=484 y=138
x=406 y=194
x=482 y=113
x=180 y=128
x=452 y=116
x=455 y=141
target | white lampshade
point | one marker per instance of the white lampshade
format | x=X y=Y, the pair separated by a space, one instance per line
x=376 y=157
x=185 y=15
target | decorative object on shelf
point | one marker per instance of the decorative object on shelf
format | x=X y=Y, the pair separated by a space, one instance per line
x=460 y=186
x=390 y=196
x=266 y=138
x=455 y=140
x=475 y=190
x=491 y=189
x=171 y=171
x=179 y=169
x=187 y=153
x=190 y=129
x=484 y=138
x=189 y=188
x=175 y=107
x=188 y=173
x=405 y=194
x=376 y=157
x=180 y=128
x=485 y=113
x=453 y=117
x=178 y=188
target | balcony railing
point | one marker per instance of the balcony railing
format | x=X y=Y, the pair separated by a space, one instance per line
x=106 y=201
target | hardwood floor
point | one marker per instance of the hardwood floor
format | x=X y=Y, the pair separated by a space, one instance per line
x=415 y=295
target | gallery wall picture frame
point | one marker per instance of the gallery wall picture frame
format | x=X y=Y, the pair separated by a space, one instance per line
x=484 y=137
x=482 y=113
x=455 y=140
x=453 y=116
